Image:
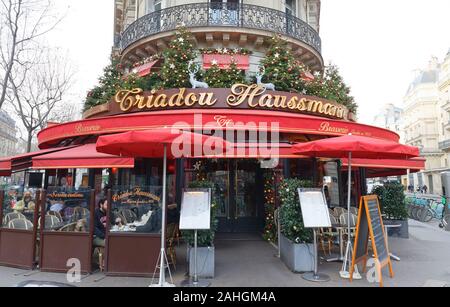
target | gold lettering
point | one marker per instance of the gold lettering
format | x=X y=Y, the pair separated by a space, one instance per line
x=161 y=101
x=264 y=101
x=126 y=98
x=177 y=99
x=206 y=99
x=190 y=100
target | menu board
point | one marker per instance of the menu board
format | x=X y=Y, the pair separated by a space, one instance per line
x=331 y=170
x=196 y=210
x=370 y=226
x=314 y=208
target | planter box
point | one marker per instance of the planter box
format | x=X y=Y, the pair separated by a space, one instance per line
x=401 y=232
x=205 y=261
x=299 y=258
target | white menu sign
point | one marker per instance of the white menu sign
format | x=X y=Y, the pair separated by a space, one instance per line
x=196 y=210
x=314 y=208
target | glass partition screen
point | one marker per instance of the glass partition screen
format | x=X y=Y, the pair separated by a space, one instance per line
x=67 y=209
x=136 y=210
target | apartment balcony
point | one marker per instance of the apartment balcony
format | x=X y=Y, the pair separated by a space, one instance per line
x=430 y=152
x=242 y=25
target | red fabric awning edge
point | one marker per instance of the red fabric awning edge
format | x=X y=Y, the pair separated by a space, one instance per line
x=85 y=156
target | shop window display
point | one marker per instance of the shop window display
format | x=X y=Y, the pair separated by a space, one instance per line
x=67 y=209
x=136 y=210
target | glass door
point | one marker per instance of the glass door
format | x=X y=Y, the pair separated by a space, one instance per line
x=224 y=12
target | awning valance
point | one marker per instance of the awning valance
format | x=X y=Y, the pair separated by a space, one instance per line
x=224 y=61
x=145 y=69
x=22 y=162
x=85 y=156
x=412 y=164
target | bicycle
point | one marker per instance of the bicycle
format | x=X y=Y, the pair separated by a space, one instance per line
x=433 y=210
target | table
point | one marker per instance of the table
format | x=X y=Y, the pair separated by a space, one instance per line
x=397 y=258
x=340 y=228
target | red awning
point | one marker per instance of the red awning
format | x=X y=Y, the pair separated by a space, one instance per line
x=387 y=168
x=412 y=164
x=224 y=61
x=22 y=162
x=85 y=156
x=145 y=69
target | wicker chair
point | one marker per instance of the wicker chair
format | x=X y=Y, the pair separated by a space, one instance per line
x=12 y=216
x=50 y=222
x=172 y=236
x=79 y=213
x=69 y=227
x=57 y=214
x=22 y=224
x=129 y=215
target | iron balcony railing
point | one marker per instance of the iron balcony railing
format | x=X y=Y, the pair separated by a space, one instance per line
x=221 y=15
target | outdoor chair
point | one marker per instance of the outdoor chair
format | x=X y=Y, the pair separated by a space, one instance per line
x=79 y=213
x=172 y=234
x=354 y=210
x=50 y=222
x=129 y=215
x=22 y=224
x=12 y=216
x=69 y=227
x=57 y=214
x=343 y=219
x=339 y=211
x=327 y=236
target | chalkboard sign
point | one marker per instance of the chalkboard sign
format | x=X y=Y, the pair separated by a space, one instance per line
x=370 y=226
x=196 y=210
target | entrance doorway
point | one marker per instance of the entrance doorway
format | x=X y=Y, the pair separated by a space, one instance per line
x=239 y=191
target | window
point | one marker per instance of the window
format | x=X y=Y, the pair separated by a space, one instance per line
x=153 y=6
x=291 y=7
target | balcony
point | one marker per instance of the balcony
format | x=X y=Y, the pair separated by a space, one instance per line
x=220 y=17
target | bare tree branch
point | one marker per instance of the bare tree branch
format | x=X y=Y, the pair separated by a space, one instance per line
x=22 y=22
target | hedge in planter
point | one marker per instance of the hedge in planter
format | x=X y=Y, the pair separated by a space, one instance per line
x=393 y=206
x=296 y=248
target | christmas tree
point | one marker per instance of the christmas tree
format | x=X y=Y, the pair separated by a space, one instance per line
x=113 y=80
x=281 y=68
x=331 y=86
x=224 y=78
x=174 y=72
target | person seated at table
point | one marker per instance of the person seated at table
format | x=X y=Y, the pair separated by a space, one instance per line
x=26 y=204
x=100 y=222
x=153 y=224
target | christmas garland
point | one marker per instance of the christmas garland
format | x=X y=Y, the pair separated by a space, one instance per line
x=270 y=229
x=150 y=59
x=225 y=51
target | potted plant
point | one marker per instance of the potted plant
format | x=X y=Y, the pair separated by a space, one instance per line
x=205 y=238
x=394 y=208
x=296 y=248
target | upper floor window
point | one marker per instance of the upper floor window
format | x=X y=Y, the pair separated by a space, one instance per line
x=291 y=7
x=154 y=5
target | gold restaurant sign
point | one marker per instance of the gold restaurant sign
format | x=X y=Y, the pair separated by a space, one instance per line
x=240 y=96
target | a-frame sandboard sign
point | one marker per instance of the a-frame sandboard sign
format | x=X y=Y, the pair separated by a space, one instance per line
x=370 y=226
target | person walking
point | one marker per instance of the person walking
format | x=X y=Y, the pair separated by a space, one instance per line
x=425 y=189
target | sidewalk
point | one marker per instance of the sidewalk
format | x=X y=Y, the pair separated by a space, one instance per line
x=251 y=263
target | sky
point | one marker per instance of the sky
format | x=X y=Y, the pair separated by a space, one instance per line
x=376 y=44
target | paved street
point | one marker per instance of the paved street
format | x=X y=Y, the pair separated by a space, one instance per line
x=424 y=261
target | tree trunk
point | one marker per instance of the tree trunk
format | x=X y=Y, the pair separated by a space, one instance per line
x=29 y=139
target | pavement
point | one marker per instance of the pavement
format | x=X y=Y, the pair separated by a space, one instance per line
x=248 y=261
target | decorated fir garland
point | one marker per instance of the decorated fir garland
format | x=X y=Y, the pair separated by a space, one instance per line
x=225 y=51
x=270 y=229
x=280 y=66
x=147 y=60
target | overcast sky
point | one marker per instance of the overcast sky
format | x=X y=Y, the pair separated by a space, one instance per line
x=377 y=44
